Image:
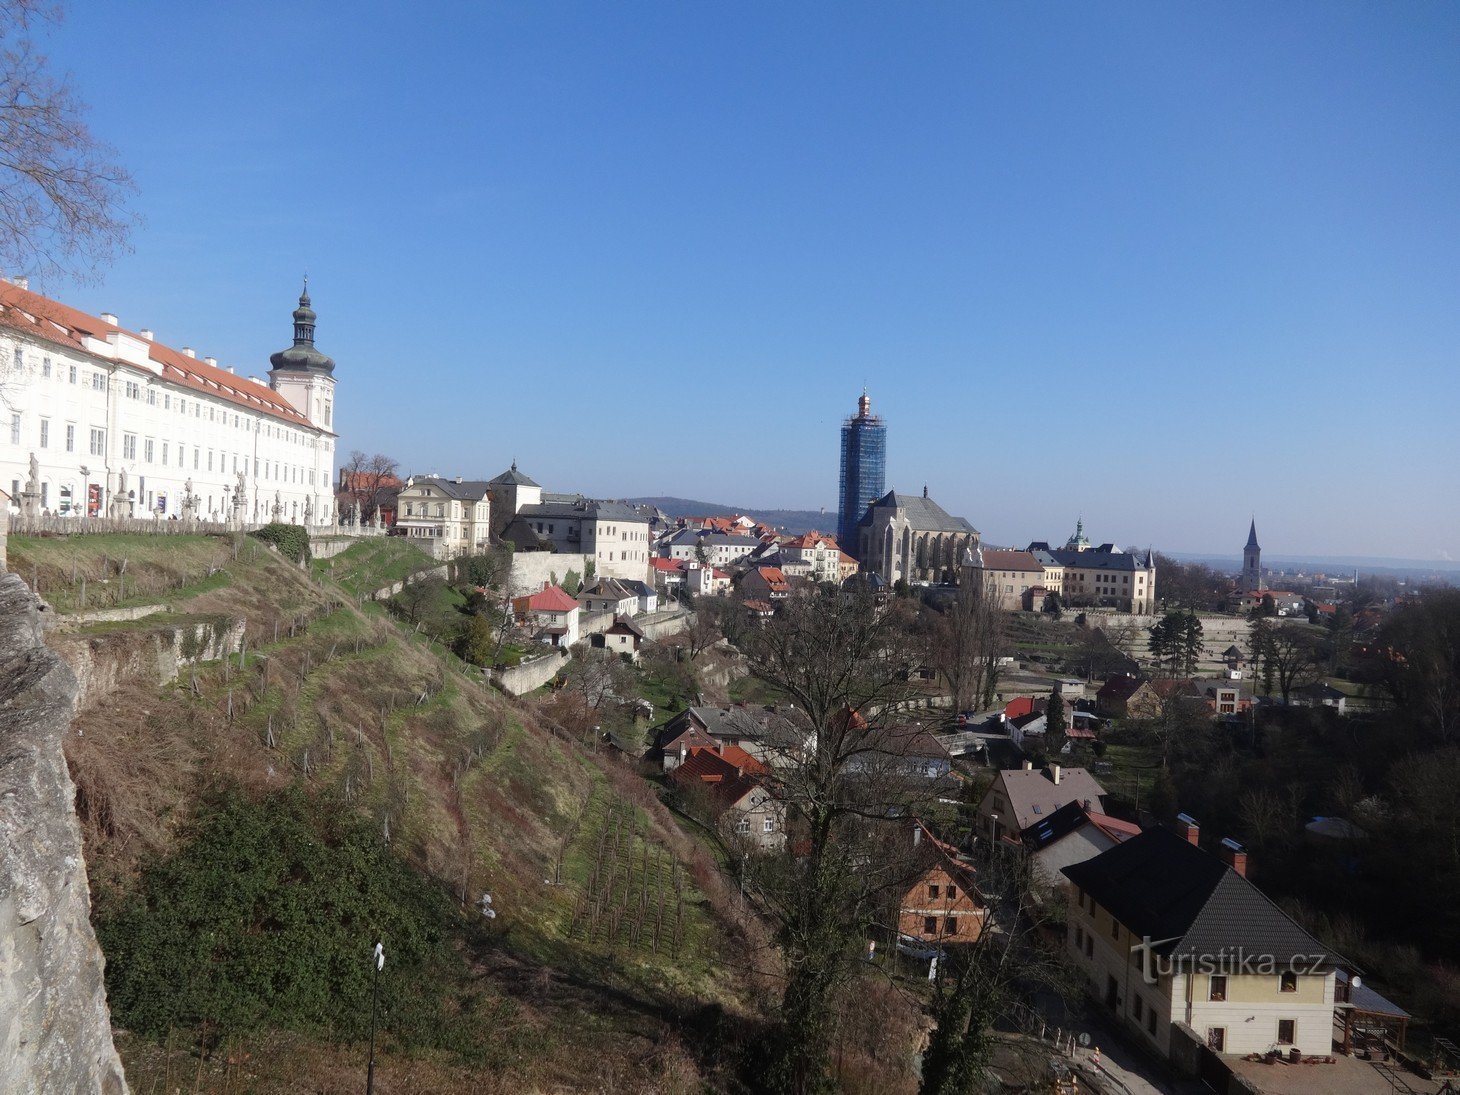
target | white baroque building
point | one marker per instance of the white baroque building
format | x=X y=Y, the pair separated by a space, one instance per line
x=117 y=424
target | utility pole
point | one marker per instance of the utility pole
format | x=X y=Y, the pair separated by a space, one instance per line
x=374 y=1000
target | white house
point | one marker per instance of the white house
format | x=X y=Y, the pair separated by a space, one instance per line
x=452 y=516
x=120 y=424
x=1166 y=932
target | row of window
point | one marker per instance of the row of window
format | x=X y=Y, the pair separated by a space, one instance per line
x=767 y=825
x=272 y=470
x=133 y=389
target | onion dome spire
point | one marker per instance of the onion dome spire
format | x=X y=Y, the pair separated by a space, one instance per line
x=303 y=356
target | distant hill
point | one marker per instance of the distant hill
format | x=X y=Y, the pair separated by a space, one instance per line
x=792 y=521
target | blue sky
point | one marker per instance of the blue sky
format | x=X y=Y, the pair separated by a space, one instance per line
x=1165 y=265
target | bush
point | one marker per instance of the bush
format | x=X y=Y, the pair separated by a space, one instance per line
x=268 y=917
x=291 y=540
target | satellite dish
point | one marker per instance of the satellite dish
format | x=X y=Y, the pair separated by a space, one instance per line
x=1084 y=1039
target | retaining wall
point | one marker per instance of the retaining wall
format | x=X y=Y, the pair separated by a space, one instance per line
x=519 y=680
x=530 y=569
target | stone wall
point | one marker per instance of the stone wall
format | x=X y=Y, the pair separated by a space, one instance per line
x=385 y=592
x=530 y=569
x=522 y=679
x=55 y=1028
x=102 y=663
x=658 y=625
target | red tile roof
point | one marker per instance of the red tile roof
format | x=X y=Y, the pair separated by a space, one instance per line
x=809 y=540
x=548 y=599
x=732 y=754
x=43 y=318
x=667 y=566
x=1011 y=560
x=727 y=782
x=775 y=578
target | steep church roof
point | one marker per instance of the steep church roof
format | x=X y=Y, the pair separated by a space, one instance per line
x=1252 y=534
x=923 y=514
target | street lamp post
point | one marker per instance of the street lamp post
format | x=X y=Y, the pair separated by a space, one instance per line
x=374 y=1000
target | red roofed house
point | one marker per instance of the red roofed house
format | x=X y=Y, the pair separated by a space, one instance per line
x=765 y=584
x=818 y=552
x=1011 y=577
x=551 y=610
x=668 y=574
x=122 y=425
x=733 y=790
x=943 y=905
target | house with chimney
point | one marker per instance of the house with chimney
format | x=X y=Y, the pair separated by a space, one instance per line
x=552 y=614
x=1168 y=933
x=733 y=789
x=1021 y=797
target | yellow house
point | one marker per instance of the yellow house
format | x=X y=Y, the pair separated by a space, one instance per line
x=1168 y=933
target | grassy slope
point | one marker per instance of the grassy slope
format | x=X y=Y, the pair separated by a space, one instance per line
x=476 y=795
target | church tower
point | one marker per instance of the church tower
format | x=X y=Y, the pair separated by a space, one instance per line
x=303 y=375
x=1252 y=563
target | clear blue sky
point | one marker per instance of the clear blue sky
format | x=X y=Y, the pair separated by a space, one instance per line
x=1166 y=265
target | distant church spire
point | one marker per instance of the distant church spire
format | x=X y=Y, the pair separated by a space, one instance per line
x=1252 y=534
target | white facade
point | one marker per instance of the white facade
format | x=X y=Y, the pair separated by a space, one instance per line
x=121 y=425
x=1242 y=1013
x=452 y=515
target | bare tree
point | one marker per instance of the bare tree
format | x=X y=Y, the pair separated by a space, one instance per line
x=981 y=983
x=62 y=193
x=849 y=773
x=1290 y=653
x=966 y=642
x=366 y=479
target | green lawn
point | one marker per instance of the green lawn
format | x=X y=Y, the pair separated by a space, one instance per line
x=373 y=564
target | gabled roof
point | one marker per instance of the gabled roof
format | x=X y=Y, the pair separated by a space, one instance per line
x=625 y=624
x=667 y=566
x=727 y=782
x=922 y=513
x=609 y=588
x=809 y=540
x=550 y=599
x=1120 y=687
x=1035 y=794
x=775 y=578
x=51 y=321
x=1190 y=903
x=463 y=490
x=1105 y=557
x=1011 y=560
x=1070 y=818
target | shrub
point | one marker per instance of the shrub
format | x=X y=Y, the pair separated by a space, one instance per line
x=291 y=540
x=268 y=916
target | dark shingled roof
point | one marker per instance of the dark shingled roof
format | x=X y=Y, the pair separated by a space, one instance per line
x=923 y=514
x=468 y=490
x=513 y=478
x=1165 y=888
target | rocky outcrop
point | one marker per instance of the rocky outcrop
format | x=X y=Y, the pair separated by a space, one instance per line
x=55 y=1028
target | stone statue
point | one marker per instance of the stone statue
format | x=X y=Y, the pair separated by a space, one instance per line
x=240 y=495
x=189 y=500
x=278 y=506
x=308 y=511
x=30 y=494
